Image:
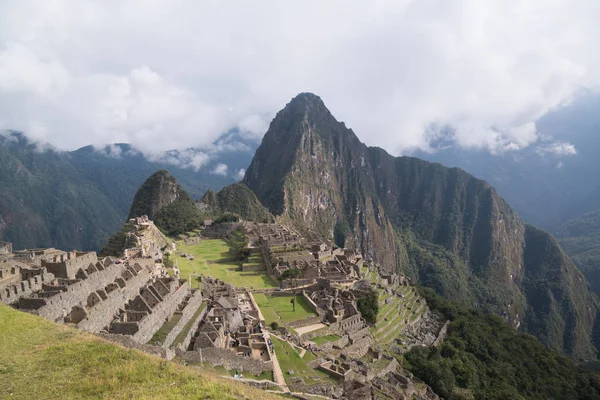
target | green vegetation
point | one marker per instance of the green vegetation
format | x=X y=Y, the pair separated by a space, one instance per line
x=291 y=277
x=43 y=360
x=580 y=238
x=165 y=202
x=319 y=340
x=212 y=258
x=484 y=358
x=280 y=308
x=441 y=226
x=368 y=305
x=178 y=217
x=227 y=217
x=237 y=200
x=289 y=359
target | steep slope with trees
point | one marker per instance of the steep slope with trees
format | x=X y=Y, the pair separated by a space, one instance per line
x=414 y=216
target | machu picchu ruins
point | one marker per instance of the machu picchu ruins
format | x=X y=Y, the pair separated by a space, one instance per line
x=141 y=294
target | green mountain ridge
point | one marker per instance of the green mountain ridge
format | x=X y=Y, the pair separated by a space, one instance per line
x=174 y=211
x=438 y=225
x=78 y=199
x=580 y=238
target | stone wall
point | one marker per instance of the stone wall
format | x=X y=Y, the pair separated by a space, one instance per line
x=67 y=265
x=313 y=305
x=391 y=367
x=442 y=334
x=359 y=348
x=247 y=268
x=188 y=337
x=319 y=332
x=354 y=336
x=340 y=343
x=263 y=384
x=128 y=342
x=187 y=313
x=58 y=306
x=100 y=315
x=226 y=358
x=160 y=314
x=349 y=324
x=12 y=294
x=305 y=322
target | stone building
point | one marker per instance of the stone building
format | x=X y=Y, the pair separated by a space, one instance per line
x=5 y=248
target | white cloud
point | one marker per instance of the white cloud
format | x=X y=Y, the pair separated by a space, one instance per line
x=240 y=174
x=176 y=76
x=111 y=151
x=557 y=149
x=187 y=158
x=220 y=169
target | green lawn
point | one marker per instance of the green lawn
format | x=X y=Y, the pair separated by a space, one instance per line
x=280 y=309
x=289 y=359
x=319 y=340
x=42 y=360
x=212 y=258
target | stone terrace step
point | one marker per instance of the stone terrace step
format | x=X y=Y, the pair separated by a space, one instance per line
x=384 y=327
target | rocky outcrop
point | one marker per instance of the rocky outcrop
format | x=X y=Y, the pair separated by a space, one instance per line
x=439 y=225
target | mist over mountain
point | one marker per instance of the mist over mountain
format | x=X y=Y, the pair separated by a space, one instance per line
x=78 y=199
x=439 y=225
x=550 y=182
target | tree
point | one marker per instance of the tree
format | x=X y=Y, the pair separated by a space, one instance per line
x=290 y=277
x=368 y=305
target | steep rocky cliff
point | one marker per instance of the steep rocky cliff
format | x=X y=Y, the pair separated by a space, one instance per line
x=439 y=225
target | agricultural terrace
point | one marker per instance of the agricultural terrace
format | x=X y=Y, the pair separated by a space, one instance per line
x=212 y=258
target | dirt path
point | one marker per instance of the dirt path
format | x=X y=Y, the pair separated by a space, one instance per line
x=309 y=328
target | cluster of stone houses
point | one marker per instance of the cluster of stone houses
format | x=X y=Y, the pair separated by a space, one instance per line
x=132 y=297
x=230 y=333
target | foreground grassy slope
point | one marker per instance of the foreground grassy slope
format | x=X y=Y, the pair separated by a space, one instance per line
x=43 y=360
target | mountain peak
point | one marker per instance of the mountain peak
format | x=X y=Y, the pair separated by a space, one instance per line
x=307 y=99
x=158 y=191
x=305 y=106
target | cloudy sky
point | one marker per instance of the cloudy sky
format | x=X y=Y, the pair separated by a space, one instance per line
x=174 y=74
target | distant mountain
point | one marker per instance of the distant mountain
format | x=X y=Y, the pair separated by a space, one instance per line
x=439 y=225
x=167 y=204
x=78 y=199
x=549 y=182
x=173 y=210
x=580 y=237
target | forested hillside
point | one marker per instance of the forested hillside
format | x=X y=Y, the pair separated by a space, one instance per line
x=78 y=199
